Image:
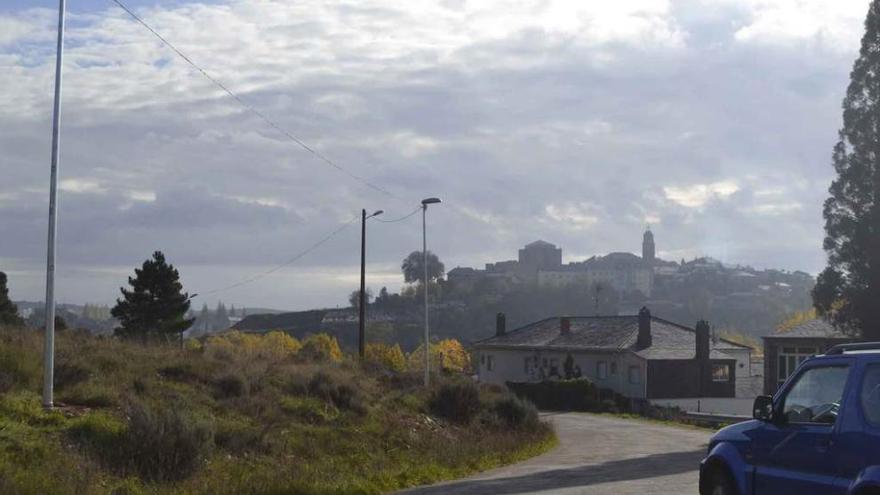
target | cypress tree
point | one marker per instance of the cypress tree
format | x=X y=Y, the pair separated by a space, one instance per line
x=8 y=310
x=848 y=290
x=156 y=305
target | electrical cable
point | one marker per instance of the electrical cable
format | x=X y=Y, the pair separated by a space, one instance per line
x=253 y=110
x=398 y=219
x=292 y=260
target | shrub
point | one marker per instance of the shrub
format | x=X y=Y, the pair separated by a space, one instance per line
x=515 y=412
x=180 y=372
x=277 y=345
x=164 y=442
x=446 y=355
x=321 y=347
x=458 y=402
x=21 y=369
x=386 y=356
x=341 y=395
x=69 y=374
x=230 y=385
x=89 y=394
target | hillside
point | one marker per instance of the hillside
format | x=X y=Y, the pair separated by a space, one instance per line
x=242 y=414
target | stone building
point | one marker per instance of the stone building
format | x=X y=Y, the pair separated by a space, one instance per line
x=638 y=356
x=784 y=351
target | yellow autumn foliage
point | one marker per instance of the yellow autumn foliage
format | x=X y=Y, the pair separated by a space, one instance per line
x=273 y=346
x=321 y=347
x=385 y=355
x=447 y=354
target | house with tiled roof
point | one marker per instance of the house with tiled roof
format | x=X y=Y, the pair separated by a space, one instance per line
x=638 y=356
x=784 y=351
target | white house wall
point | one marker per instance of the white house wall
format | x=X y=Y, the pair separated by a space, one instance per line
x=743 y=361
x=510 y=366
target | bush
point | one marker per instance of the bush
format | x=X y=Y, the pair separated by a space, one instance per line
x=69 y=374
x=230 y=385
x=89 y=394
x=19 y=370
x=386 y=356
x=321 y=347
x=458 y=402
x=342 y=396
x=164 y=442
x=515 y=412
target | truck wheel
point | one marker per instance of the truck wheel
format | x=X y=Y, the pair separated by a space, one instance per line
x=720 y=483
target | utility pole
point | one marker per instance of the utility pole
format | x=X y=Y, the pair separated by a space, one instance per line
x=362 y=298
x=49 y=344
x=425 y=203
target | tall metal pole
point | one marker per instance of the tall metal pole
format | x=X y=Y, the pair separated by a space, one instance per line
x=362 y=297
x=49 y=348
x=425 y=282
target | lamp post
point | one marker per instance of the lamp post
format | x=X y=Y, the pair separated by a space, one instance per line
x=362 y=298
x=49 y=341
x=425 y=203
x=188 y=299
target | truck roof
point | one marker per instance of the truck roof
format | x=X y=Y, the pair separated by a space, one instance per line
x=857 y=348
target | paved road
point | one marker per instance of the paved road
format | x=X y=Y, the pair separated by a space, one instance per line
x=597 y=455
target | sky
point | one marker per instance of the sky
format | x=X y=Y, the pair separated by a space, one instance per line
x=579 y=123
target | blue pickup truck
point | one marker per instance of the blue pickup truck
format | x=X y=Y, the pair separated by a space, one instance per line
x=819 y=435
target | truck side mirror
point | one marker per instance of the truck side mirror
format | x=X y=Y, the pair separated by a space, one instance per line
x=762 y=410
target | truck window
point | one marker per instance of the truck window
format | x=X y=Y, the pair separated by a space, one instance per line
x=815 y=396
x=870 y=394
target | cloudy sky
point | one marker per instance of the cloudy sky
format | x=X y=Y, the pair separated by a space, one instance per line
x=574 y=122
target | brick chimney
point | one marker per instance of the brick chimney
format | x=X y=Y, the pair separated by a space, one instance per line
x=500 y=324
x=644 y=340
x=702 y=341
x=564 y=326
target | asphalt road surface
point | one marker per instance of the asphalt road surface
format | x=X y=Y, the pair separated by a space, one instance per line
x=597 y=455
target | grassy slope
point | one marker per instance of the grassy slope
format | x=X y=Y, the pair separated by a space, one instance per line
x=253 y=419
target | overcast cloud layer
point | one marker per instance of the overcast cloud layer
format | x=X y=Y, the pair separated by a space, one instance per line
x=574 y=122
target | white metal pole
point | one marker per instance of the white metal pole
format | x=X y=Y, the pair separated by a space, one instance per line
x=425 y=262
x=49 y=348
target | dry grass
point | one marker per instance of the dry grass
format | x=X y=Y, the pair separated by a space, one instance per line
x=154 y=419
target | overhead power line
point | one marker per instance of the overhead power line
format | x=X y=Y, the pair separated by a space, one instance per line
x=253 y=110
x=291 y=261
x=398 y=219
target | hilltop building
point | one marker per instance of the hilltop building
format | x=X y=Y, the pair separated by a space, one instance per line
x=638 y=356
x=648 y=254
x=540 y=262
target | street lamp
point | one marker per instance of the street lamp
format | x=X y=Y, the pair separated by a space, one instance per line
x=49 y=341
x=425 y=203
x=362 y=296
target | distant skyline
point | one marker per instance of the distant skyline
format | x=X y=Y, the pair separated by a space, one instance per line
x=574 y=122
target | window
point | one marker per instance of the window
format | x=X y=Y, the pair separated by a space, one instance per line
x=720 y=373
x=526 y=364
x=815 y=396
x=490 y=363
x=613 y=368
x=789 y=359
x=870 y=394
x=602 y=370
x=635 y=375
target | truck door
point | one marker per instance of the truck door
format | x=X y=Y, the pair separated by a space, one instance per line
x=793 y=452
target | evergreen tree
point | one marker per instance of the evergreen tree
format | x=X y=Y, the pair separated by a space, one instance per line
x=848 y=289
x=232 y=310
x=8 y=311
x=156 y=304
x=221 y=319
